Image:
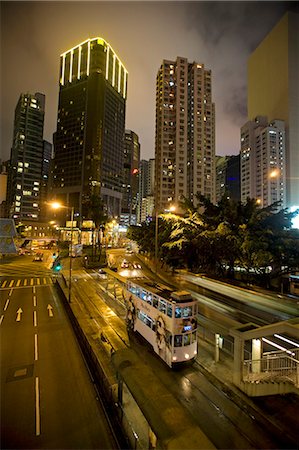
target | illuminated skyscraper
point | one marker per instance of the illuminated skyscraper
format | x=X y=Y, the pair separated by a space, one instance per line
x=263 y=162
x=273 y=91
x=131 y=178
x=185 y=133
x=89 y=141
x=26 y=160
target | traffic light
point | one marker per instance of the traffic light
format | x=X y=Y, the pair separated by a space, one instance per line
x=56 y=265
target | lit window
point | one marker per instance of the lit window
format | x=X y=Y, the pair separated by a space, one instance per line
x=26 y=164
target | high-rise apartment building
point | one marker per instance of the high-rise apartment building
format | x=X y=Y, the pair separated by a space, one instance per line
x=228 y=177
x=185 y=133
x=26 y=160
x=146 y=189
x=131 y=177
x=263 y=162
x=273 y=91
x=89 y=141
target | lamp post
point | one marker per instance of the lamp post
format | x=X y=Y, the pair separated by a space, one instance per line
x=171 y=209
x=56 y=205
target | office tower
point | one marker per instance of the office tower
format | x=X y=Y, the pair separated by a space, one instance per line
x=89 y=141
x=26 y=158
x=131 y=178
x=273 y=74
x=263 y=156
x=185 y=133
x=146 y=189
x=44 y=186
x=3 y=188
x=228 y=177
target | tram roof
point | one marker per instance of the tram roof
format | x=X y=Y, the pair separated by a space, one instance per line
x=163 y=291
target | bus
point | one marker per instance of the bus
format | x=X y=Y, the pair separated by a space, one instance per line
x=165 y=318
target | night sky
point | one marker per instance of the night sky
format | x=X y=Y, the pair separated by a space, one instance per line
x=221 y=35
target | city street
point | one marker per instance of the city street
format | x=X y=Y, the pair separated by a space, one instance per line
x=47 y=397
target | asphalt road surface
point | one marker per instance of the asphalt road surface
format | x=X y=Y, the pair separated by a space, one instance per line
x=47 y=397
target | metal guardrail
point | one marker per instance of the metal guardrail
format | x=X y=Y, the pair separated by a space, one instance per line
x=278 y=366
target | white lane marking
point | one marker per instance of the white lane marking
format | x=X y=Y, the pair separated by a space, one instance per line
x=1 y=318
x=6 y=304
x=19 y=312
x=50 y=308
x=34 y=318
x=11 y=291
x=11 y=283
x=35 y=348
x=18 y=283
x=37 y=407
x=34 y=301
x=34 y=290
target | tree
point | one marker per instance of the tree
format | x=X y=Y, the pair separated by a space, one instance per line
x=95 y=209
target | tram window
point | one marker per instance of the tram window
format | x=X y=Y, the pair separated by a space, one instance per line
x=193 y=337
x=187 y=311
x=178 y=340
x=162 y=306
x=155 y=302
x=187 y=339
x=169 y=310
x=149 y=299
x=178 y=313
x=143 y=295
x=145 y=319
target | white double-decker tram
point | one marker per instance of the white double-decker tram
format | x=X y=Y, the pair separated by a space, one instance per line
x=165 y=318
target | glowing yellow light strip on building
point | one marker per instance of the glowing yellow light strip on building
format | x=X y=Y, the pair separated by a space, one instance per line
x=113 y=73
x=125 y=83
x=63 y=69
x=119 y=75
x=71 y=66
x=88 y=58
x=107 y=61
x=74 y=48
x=79 y=62
x=102 y=42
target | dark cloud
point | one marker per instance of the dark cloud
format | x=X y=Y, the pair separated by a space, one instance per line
x=219 y=34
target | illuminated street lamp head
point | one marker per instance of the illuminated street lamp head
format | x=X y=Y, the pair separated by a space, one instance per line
x=56 y=205
x=172 y=208
x=274 y=173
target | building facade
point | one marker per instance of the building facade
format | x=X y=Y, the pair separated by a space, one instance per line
x=228 y=177
x=263 y=162
x=26 y=160
x=273 y=74
x=131 y=177
x=89 y=140
x=185 y=133
x=146 y=189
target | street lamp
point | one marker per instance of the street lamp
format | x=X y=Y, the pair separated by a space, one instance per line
x=171 y=209
x=56 y=205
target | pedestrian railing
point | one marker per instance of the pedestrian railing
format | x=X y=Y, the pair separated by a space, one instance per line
x=278 y=366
